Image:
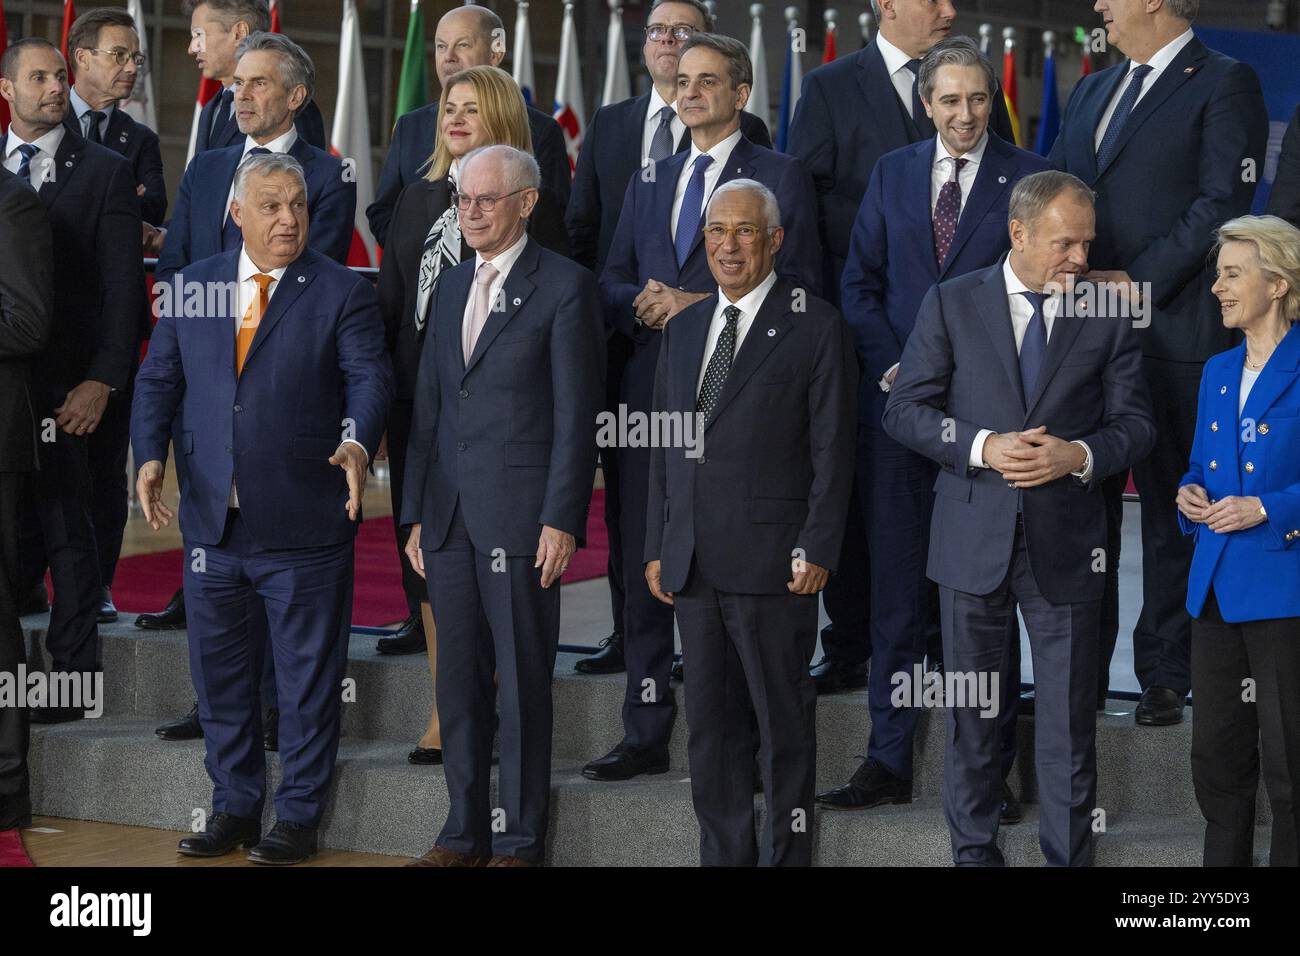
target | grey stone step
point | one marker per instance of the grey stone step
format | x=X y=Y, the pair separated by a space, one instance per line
x=114 y=770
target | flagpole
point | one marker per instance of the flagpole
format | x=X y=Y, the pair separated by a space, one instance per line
x=829 y=52
x=523 y=55
x=1010 y=82
x=864 y=27
x=758 y=103
x=617 y=84
x=986 y=38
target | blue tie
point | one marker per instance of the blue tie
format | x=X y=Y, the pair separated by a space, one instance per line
x=1033 y=347
x=1110 y=141
x=222 y=117
x=231 y=234
x=688 y=220
x=25 y=164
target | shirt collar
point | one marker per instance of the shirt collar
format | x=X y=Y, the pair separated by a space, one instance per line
x=49 y=143
x=941 y=152
x=503 y=262
x=751 y=301
x=247 y=269
x=720 y=151
x=281 y=144
x=80 y=106
x=895 y=59
x=656 y=104
x=1161 y=59
x=1014 y=285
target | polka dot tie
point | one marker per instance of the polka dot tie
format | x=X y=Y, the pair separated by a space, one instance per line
x=719 y=364
x=946 y=213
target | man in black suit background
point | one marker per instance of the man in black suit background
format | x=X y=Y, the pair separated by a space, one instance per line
x=621 y=139
x=743 y=530
x=1166 y=140
x=851 y=112
x=1284 y=200
x=89 y=195
x=26 y=322
x=99 y=40
x=466 y=36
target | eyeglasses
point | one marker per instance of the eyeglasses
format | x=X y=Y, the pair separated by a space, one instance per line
x=486 y=203
x=121 y=56
x=659 y=31
x=745 y=233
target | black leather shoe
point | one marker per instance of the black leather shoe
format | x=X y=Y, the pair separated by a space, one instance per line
x=830 y=676
x=170 y=618
x=55 y=715
x=678 y=673
x=408 y=639
x=608 y=660
x=271 y=730
x=225 y=832
x=625 y=762
x=425 y=755
x=1012 y=812
x=34 y=602
x=183 y=728
x=286 y=844
x=870 y=786
x=1159 y=707
x=107 y=611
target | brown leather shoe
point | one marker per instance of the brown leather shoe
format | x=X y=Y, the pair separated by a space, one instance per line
x=441 y=856
x=508 y=861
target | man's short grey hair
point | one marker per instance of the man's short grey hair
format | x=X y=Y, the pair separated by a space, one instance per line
x=1184 y=9
x=954 y=51
x=771 y=208
x=521 y=169
x=296 y=68
x=264 y=164
x=1035 y=193
x=700 y=8
x=739 y=66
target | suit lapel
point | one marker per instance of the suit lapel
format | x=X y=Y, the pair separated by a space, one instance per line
x=67 y=160
x=1182 y=69
x=688 y=352
x=1101 y=94
x=885 y=108
x=514 y=296
x=664 y=192
x=292 y=284
x=766 y=332
x=118 y=136
x=1065 y=329
x=216 y=217
x=230 y=273
x=1279 y=374
x=991 y=179
x=739 y=165
x=991 y=303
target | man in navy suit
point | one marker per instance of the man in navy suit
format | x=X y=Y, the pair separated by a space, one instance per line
x=89 y=195
x=934 y=211
x=274 y=75
x=744 y=521
x=1026 y=394
x=1173 y=141
x=499 y=476
x=621 y=139
x=465 y=36
x=657 y=266
x=284 y=385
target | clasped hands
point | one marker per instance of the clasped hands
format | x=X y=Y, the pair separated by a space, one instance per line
x=657 y=303
x=554 y=550
x=1233 y=513
x=1031 y=458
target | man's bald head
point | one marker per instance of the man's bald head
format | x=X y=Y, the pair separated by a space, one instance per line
x=467 y=36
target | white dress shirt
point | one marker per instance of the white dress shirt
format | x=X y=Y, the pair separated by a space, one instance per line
x=1159 y=62
x=748 y=304
x=945 y=162
x=42 y=167
x=721 y=153
x=1021 y=313
x=652 y=123
x=1248 y=379
x=281 y=144
x=503 y=262
x=80 y=108
x=896 y=66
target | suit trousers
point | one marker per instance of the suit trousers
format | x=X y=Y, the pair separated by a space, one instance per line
x=493 y=617
x=1063 y=641
x=617 y=352
x=306 y=594
x=1233 y=733
x=107 y=448
x=743 y=654
x=15 y=800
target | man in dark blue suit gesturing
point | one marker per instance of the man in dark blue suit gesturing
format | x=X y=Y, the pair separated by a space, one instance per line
x=1173 y=141
x=934 y=211
x=1026 y=398
x=657 y=266
x=284 y=388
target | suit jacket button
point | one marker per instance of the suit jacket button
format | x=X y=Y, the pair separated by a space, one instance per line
x=1214 y=426
x=464 y=393
x=1263 y=428
x=239 y=408
x=1250 y=467
x=461 y=446
x=1214 y=465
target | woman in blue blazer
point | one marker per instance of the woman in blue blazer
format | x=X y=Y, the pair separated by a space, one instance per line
x=1240 y=499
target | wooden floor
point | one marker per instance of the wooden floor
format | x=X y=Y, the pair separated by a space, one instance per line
x=56 y=842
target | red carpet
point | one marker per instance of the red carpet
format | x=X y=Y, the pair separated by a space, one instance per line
x=11 y=849
x=146 y=581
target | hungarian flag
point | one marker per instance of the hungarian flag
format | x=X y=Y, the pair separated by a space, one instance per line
x=569 y=111
x=523 y=55
x=350 y=137
x=413 y=84
x=4 y=45
x=69 y=15
x=1010 y=90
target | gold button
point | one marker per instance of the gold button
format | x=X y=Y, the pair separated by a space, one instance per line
x=1250 y=466
x=1214 y=426
x=1214 y=465
x=1263 y=428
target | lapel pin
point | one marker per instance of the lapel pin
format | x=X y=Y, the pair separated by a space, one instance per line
x=68 y=163
x=518 y=301
x=1002 y=180
x=122 y=139
x=1190 y=69
x=771 y=332
x=302 y=278
x=1223 y=390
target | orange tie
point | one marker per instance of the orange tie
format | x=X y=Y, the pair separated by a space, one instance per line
x=252 y=319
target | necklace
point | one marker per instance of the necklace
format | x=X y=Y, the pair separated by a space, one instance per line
x=1255 y=366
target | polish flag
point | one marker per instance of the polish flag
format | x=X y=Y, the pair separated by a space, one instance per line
x=569 y=111
x=350 y=136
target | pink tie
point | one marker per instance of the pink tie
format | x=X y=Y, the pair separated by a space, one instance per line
x=482 y=305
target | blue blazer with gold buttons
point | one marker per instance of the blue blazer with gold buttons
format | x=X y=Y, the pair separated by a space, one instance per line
x=1255 y=573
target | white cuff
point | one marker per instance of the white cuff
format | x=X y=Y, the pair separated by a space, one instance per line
x=1086 y=474
x=353 y=441
x=884 y=379
x=977 y=448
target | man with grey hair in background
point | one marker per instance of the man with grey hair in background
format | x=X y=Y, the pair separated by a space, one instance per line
x=273 y=77
x=290 y=346
x=498 y=479
x=754 y=527
x=1027 y=395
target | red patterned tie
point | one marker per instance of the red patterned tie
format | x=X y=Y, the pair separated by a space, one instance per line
x=946 y=213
